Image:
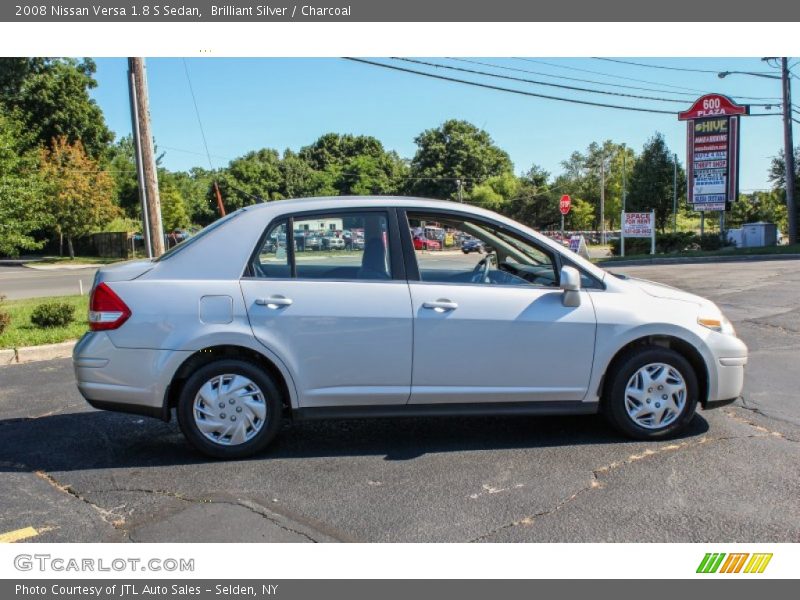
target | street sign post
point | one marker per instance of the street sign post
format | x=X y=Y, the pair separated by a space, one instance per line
x=563 y=206
x=712 y=152
x=638 y=225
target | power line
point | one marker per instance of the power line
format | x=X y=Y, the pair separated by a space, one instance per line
x=197 y=112
x=677 y=87
x=606 y=83
x=638 y=64
x=510 y=90
x=535 y=82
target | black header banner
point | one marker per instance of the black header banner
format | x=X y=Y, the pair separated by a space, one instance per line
x=399 y=11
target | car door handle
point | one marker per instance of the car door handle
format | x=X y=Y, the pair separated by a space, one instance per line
x=441 y=305
x=274 y=301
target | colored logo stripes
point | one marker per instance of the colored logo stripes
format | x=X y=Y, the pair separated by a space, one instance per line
x=735 y=562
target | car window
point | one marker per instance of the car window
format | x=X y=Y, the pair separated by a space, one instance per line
x=470 y=250
x=337 y=246
x=272 y=259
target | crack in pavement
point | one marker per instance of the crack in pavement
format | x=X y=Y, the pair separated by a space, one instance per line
x=756 y=426
x=596 y=483
x=253 y=507
x=108 y=516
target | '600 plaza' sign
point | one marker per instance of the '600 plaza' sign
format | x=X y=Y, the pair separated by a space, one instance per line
x=712 y=147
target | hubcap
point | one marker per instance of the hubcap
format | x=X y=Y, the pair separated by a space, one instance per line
x=241 y=397
x=655 y=396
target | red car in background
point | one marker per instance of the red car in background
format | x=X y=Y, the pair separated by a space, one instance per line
x=421 y=243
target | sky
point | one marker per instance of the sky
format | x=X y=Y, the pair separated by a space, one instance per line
x=251 y=103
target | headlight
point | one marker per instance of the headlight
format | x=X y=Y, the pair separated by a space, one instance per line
x=720 y=324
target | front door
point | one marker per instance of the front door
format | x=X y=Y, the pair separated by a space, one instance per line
x=491 y=326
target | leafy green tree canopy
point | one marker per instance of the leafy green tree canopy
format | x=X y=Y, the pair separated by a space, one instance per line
x=455 y=150
x=52 y=98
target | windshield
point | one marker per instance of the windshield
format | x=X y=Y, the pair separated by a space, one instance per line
x=189 y=241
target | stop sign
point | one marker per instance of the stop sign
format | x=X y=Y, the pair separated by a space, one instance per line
x=565 y=204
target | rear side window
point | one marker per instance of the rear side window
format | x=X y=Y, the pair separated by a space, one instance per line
x=332 y=246
x=272 y=259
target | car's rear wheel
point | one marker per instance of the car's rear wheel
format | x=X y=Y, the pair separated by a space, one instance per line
x=229 y=408
x=652 y=393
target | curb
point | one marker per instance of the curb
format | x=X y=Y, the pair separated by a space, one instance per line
x=61 y=266
x=27 y=354
x=687 y=260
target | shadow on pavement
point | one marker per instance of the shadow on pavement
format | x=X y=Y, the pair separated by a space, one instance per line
x=99 y=440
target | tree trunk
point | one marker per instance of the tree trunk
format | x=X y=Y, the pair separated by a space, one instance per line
x=61 y=244
x=70 y=248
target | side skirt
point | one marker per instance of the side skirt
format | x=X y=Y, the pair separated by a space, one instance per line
x=447 y=410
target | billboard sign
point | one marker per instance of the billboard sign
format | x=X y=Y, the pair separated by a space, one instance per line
x=712 y=147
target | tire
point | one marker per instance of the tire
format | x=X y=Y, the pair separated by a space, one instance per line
x=632 y=390
x=259 y=418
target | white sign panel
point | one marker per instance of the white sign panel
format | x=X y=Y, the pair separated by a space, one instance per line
x=638 y=224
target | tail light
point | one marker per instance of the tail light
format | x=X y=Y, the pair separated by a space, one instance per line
x=106 y=309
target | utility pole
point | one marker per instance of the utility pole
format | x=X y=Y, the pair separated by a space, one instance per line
x=603 y=199
x=624 y=179
x=788 y=145
x=148 y=247
x=147 y=168
x=674 y=193
x=460 y=193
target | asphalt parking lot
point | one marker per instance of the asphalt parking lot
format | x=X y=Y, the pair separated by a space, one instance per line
x=75 y=474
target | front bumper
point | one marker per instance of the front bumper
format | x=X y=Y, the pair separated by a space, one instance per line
x=132 y=380
x=726 y=374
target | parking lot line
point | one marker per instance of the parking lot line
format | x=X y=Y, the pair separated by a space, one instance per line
x=17 y=535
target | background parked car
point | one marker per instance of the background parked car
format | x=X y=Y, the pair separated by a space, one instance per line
x=472 y=245
x=331 y=242
x=421 y=243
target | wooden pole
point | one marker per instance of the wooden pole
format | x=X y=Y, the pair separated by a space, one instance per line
x=149 y=172
x=220 y=205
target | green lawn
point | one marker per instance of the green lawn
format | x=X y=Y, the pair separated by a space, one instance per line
x=21 y=332
x=794 y=249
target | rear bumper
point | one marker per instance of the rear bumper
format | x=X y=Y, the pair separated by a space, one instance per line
x=131 y=380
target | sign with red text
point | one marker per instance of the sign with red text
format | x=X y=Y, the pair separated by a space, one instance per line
x=638 y=224
x=712 y=152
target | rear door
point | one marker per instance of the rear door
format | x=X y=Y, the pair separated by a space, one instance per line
x=340 y=319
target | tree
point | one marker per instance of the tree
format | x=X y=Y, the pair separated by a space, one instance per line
x=22 y=213
x=651 y=181
x=355 y=164
x=496 y=192
x=583 y=178
x=121 y=164
x=79 y=194
x=173 y=208
x=301 y=180
x=248 y=179
x=454 y=150
x=777 y=176
x=52 y=98
x=769 y=207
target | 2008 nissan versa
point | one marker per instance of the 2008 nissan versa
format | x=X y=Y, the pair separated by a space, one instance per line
x=241 y=326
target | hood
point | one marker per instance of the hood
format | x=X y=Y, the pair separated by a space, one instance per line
x=659 y=290
x=124 y=271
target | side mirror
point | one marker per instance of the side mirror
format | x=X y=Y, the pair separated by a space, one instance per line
x=571 y=284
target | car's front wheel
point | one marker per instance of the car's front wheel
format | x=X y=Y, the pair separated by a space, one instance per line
x=651 y=393
x=229 y=408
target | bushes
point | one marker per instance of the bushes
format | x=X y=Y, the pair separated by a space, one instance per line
x=670 y=243
x=5 y=318
x=53 y=314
